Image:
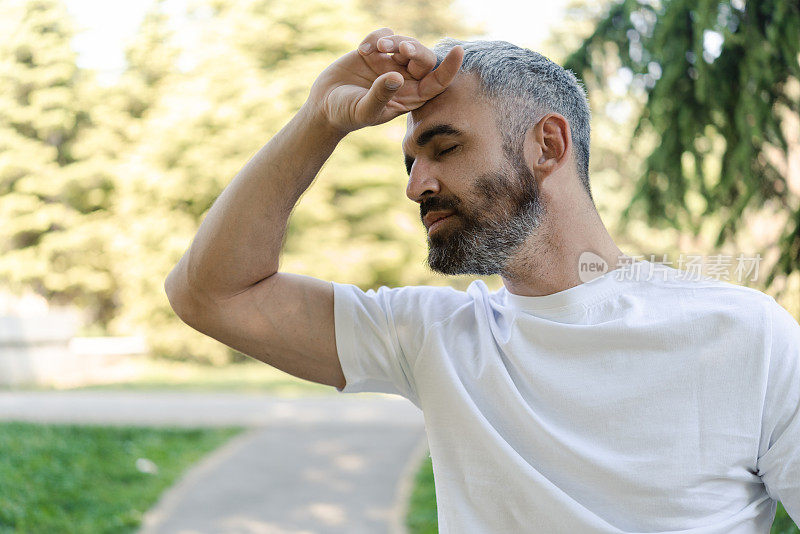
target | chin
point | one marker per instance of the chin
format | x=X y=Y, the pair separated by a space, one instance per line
x=453 y=261
x=471 y=251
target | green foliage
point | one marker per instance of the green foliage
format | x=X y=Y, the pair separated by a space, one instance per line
x=422 y=19
x=720 y=80
x=68 y=479
x=421 y=516
x=103 y=187
x=151 y=59
x=50 y=196
x=352 y=225
x=783 y=524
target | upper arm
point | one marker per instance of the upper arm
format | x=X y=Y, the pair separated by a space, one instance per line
x=285 y=320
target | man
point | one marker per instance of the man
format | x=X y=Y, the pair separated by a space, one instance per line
x=566 y=401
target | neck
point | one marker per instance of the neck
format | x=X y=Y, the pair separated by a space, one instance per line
x=550 y=260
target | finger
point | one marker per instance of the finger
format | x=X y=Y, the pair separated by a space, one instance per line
x=422 y=61
x=400 y=59
x=391 y=43
x=380 y=63
x=406 y=50
x=437 y=81
x=370 y=107
x=409 y=51
x=369 y=44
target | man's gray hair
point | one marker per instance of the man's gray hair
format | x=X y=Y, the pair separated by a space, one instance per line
x=524 y=86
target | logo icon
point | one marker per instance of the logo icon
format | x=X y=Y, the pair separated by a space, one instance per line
x=591 y=266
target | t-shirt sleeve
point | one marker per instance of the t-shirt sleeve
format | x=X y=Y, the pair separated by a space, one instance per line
x=779 y=466
x=379 y=334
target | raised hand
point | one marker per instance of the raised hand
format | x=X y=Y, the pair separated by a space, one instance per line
x=387 y=75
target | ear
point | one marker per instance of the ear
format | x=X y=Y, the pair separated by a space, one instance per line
x=547 y=145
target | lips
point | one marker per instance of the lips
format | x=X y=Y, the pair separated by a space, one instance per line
x=434 y=216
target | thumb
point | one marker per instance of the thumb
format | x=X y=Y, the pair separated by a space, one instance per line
x=383 y=89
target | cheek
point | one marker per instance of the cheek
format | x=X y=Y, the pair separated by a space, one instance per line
x=493 y=189
x=481 y=194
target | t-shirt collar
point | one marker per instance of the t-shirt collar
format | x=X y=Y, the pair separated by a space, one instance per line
x=580 y=296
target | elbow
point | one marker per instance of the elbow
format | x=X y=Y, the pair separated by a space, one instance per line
x=180 y=297
x=171 y=286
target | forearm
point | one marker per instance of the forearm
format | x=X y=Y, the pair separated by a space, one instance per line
x=240 y=239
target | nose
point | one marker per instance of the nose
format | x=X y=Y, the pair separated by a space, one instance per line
x=421 y=181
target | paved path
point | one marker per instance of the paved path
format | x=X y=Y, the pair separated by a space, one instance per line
x=315 y=465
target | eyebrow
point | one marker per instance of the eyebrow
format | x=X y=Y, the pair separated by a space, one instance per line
x=425 y=137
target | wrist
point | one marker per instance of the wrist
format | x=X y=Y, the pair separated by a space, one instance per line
x=313 y=116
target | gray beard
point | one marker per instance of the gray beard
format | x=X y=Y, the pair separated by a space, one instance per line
x=486 y=247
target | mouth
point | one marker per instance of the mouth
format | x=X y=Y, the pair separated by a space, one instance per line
x=437 y=223
x=432 y=216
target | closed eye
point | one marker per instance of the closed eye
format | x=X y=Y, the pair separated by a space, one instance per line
x=443 y=152
x=410 y=160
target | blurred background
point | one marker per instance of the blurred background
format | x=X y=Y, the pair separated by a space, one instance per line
x=121 y=122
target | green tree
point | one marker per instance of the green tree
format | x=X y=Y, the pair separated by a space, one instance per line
x=422 y=19
x=151 y=59
x=721 y=86
x=52 y=201
x=104 y=186
x=247 y=71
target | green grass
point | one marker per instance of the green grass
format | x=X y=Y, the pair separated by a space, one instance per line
x=84 y=479
x=783 y=524
x=421 y=515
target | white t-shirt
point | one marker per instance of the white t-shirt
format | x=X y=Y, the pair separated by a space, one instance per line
x=630 y=403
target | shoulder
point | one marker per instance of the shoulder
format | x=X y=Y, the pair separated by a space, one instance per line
x=424 y=302
x=717 y=306
x=712 y=293
x=407 y=314
x=784 y=330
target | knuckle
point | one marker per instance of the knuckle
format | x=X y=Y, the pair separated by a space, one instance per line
x=382 y=32
x=397 y=39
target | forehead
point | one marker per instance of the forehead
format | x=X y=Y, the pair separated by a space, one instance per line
x=460 y=105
